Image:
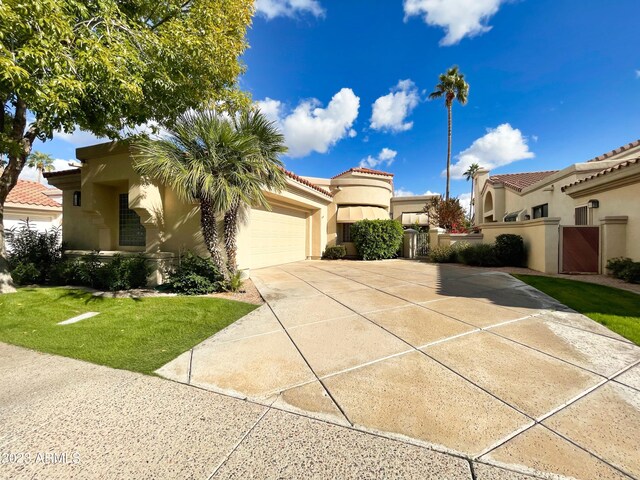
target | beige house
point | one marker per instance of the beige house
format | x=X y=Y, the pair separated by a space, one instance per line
x=109 y=208
x=542 y=206
x=34 y=202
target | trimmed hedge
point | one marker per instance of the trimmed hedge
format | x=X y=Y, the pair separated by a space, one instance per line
x=335 y=252
x=377 y=239
x=479 y=255
x=507 y=251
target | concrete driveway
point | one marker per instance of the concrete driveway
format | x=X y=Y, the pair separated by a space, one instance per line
x=460 y=360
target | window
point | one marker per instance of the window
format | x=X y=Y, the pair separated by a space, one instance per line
x=541 y=211
x=582 y=215
x=346 y=232
x=132 y=232
x=77 y=199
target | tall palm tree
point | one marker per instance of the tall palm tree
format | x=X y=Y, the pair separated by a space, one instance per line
x=42 y=162
x=468 y=174
x=452 y=87
x=206 y=157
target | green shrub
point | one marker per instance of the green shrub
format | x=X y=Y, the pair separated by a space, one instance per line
x=509 y=250
x=195 y=275
x=377 y=239
x=443 y=254
x=234 y=284
x=624 y=269
x=479 y=255
x=41 y=250
x=124 y=273
x=67 y=272
x=617 y=265
x=26 y=274
x=335 y=252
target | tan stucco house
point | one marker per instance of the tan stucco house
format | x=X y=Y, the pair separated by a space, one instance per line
x=602 y=192
x=109 y=208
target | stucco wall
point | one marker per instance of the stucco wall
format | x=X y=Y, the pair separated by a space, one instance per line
x=540 y=240
x=621 y=201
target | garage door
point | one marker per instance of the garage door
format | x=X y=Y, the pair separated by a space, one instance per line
x=278 y=236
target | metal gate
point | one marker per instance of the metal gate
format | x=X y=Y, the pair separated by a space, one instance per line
x=422 y=244
x=579 y=249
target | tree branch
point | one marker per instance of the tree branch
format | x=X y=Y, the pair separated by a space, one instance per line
x=183 y=9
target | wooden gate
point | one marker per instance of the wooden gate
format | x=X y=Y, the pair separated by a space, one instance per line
x=579 y=249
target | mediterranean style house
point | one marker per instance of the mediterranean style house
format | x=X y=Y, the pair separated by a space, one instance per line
x=601 y=194
x=109 y=208
x=34 y=202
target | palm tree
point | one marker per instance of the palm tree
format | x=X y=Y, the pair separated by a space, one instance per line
x=43 y=162
x=206 y=157
x=263 y=171
x=452 y=87
x=468 y=174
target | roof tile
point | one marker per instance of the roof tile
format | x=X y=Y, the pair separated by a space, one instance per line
x=365 y=170
x=31 y=193
x=520 y=181
x=624 y=164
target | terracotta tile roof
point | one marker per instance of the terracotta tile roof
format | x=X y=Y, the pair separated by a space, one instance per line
x=520 y=181
x=31 y=193
x=365 y=170
x=306 y=182
x=626 y=163
x=616 y=151
x=61 y=173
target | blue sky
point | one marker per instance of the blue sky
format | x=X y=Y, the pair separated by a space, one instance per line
x=552 y=83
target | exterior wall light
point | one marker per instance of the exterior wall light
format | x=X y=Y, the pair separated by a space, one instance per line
x=593 y=203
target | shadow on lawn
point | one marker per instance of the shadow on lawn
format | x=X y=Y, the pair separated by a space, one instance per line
x=91 y=296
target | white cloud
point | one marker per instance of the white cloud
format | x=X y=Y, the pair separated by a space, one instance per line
x=391 y=110
x=385 y=157
x=459 y=18
x=637 y=73
x=402 y=192
x=79 y=138
x=311 y=128
x=58 y=164
x=465 y=201
x=499 y=146
x=288 y=8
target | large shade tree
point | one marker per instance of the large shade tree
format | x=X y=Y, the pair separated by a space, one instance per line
x=222 y=162
x=452 y=86
x=106 y=66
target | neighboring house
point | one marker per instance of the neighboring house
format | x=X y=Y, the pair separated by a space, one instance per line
x=600 y=193
x=108 y=207
x=35 y=202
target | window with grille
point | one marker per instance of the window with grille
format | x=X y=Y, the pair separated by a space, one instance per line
x=132 y=232
x=582 y=215
x=346 y=232
x=541 y=211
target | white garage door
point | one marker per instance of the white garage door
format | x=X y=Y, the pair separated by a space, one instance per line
x=278 y=236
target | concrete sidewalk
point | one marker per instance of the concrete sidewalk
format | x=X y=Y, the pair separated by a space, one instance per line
x=63 y=418
x=462 y=361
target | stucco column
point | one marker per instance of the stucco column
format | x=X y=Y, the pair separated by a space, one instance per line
x=318 y=232
x=613 y=239
x=409 y=244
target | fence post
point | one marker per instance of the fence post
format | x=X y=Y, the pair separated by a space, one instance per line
x=409 y=243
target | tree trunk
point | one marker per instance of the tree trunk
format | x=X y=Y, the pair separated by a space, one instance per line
x=210 y=235
x=6 y=282
x=230 y=237
x=471 y=202
x=446 y=197
x=22 y=143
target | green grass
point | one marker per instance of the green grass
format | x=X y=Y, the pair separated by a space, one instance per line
x=132 y=334
x=616 y=309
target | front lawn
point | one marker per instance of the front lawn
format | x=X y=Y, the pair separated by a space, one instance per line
x=616 y=309
x=133 y=334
